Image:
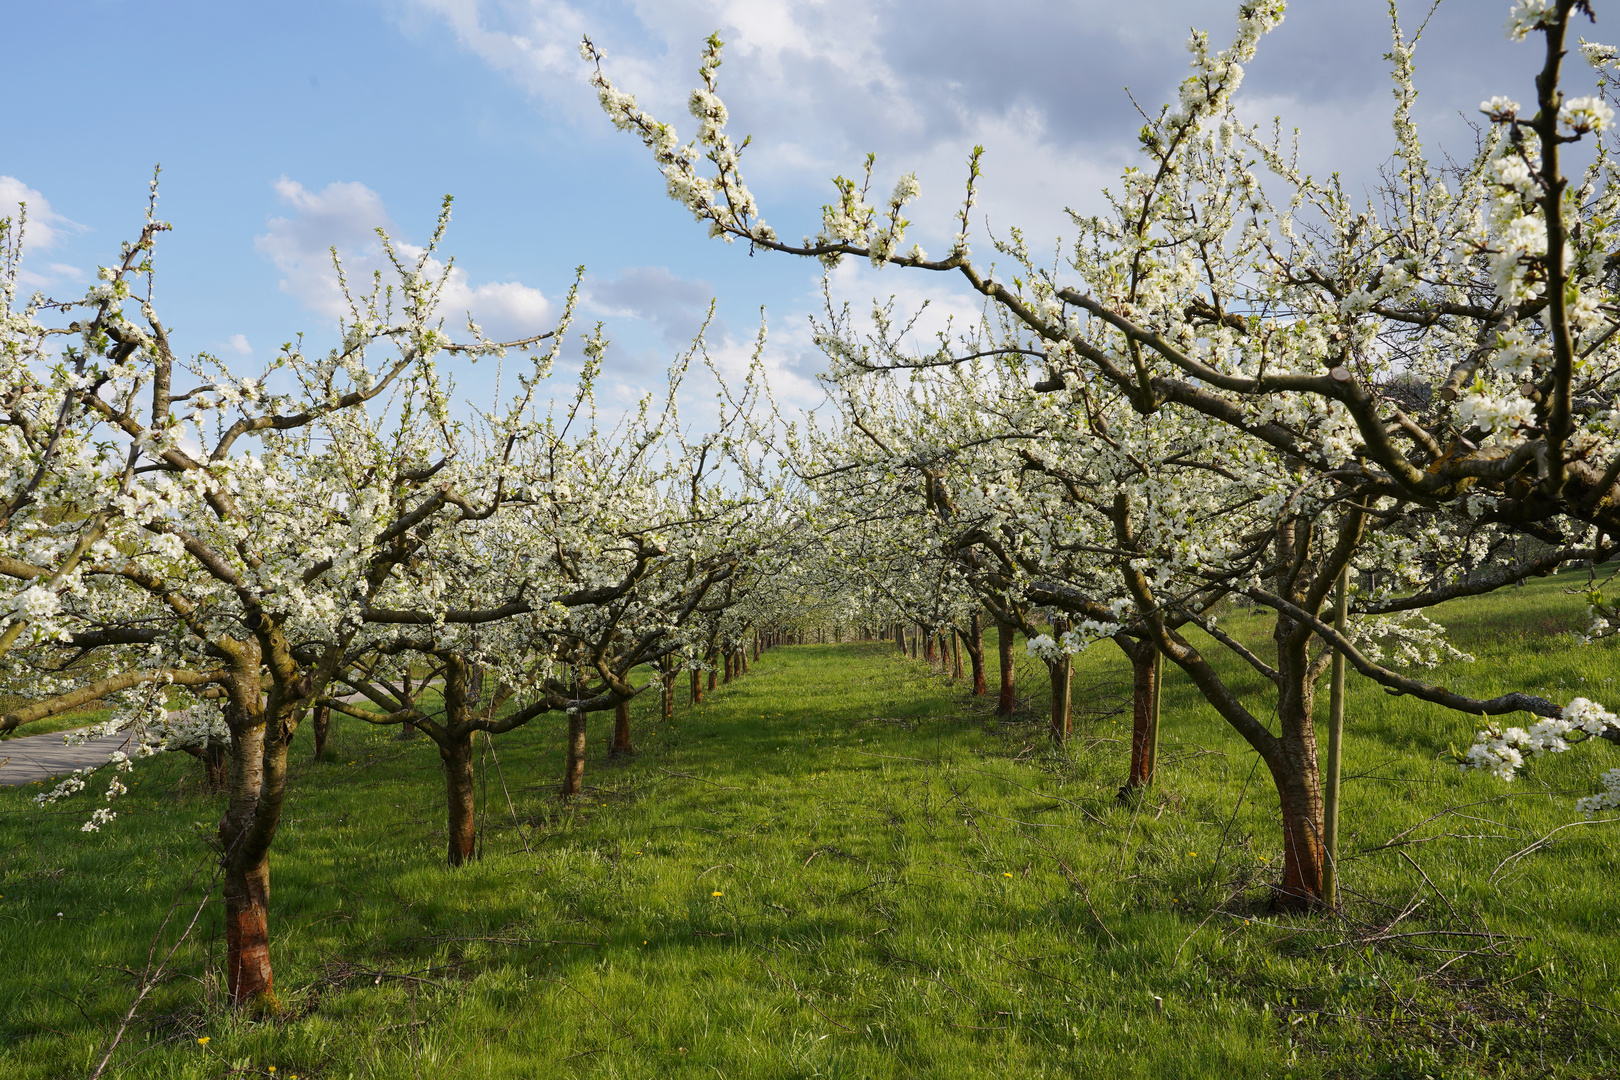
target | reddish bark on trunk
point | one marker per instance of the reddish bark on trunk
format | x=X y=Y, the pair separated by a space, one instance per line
x=1299 y=789
x=247 y=932
x=1144 y=688
x=697 y=687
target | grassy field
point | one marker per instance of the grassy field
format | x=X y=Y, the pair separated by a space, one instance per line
x=841 y=867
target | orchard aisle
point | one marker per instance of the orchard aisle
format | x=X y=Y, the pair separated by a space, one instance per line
x=831 y=867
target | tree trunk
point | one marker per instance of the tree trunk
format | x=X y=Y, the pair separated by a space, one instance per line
x=712 y=659
x=1299 y=788
x=1004 y=653
x=258 y=788
x=956 y=654
x=621 y=731
x=1301 y=886
x=216 y=760
x=697 y=687
x=457 y=753
x=321 y=723
x=742 y=659
x=1062 y=687
x=247 y=931
x=975 y=651
x=928 y=644
x=667 y=695
x=1144 y=690
x=574 y=768
x=900 y=637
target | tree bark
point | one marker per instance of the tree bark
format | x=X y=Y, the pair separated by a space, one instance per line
x=1144 y=688
x=975 y=651
x=742 y=659
x=1299 y=788
x=667 y=692
x=697 y=687
x=574 y=768
x=321 y=723
x=216 y=762
x=956 y=654
x=1004 y=653
x=456 y=751
x=621 y=731
x=257 y=789
x=248 y=977
x=1062 y=672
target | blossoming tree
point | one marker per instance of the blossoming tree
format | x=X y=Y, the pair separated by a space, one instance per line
x=1275 y=313
x=233 y=531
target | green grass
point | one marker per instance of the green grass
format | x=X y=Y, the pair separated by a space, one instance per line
x=907 y=889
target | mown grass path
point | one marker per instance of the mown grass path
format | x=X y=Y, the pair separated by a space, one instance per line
x=834 y=868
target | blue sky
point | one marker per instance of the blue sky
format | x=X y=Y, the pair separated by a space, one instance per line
x=283 y=129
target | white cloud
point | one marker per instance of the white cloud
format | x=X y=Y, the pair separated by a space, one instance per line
x=239 y=344
x=346 y=216
x=45 y=227
x=1040 y=84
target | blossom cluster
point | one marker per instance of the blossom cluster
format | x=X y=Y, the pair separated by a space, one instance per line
x=1504 y=751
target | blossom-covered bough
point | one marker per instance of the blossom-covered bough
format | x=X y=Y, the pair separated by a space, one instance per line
x=1393 y=396
x=211 y=550
x=614 y=549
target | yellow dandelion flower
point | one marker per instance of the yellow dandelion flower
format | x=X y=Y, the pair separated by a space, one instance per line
x=717 y=894
x=1006 y=875
x=203 y=1041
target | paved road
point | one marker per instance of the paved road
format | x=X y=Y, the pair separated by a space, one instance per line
x=40 y=757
